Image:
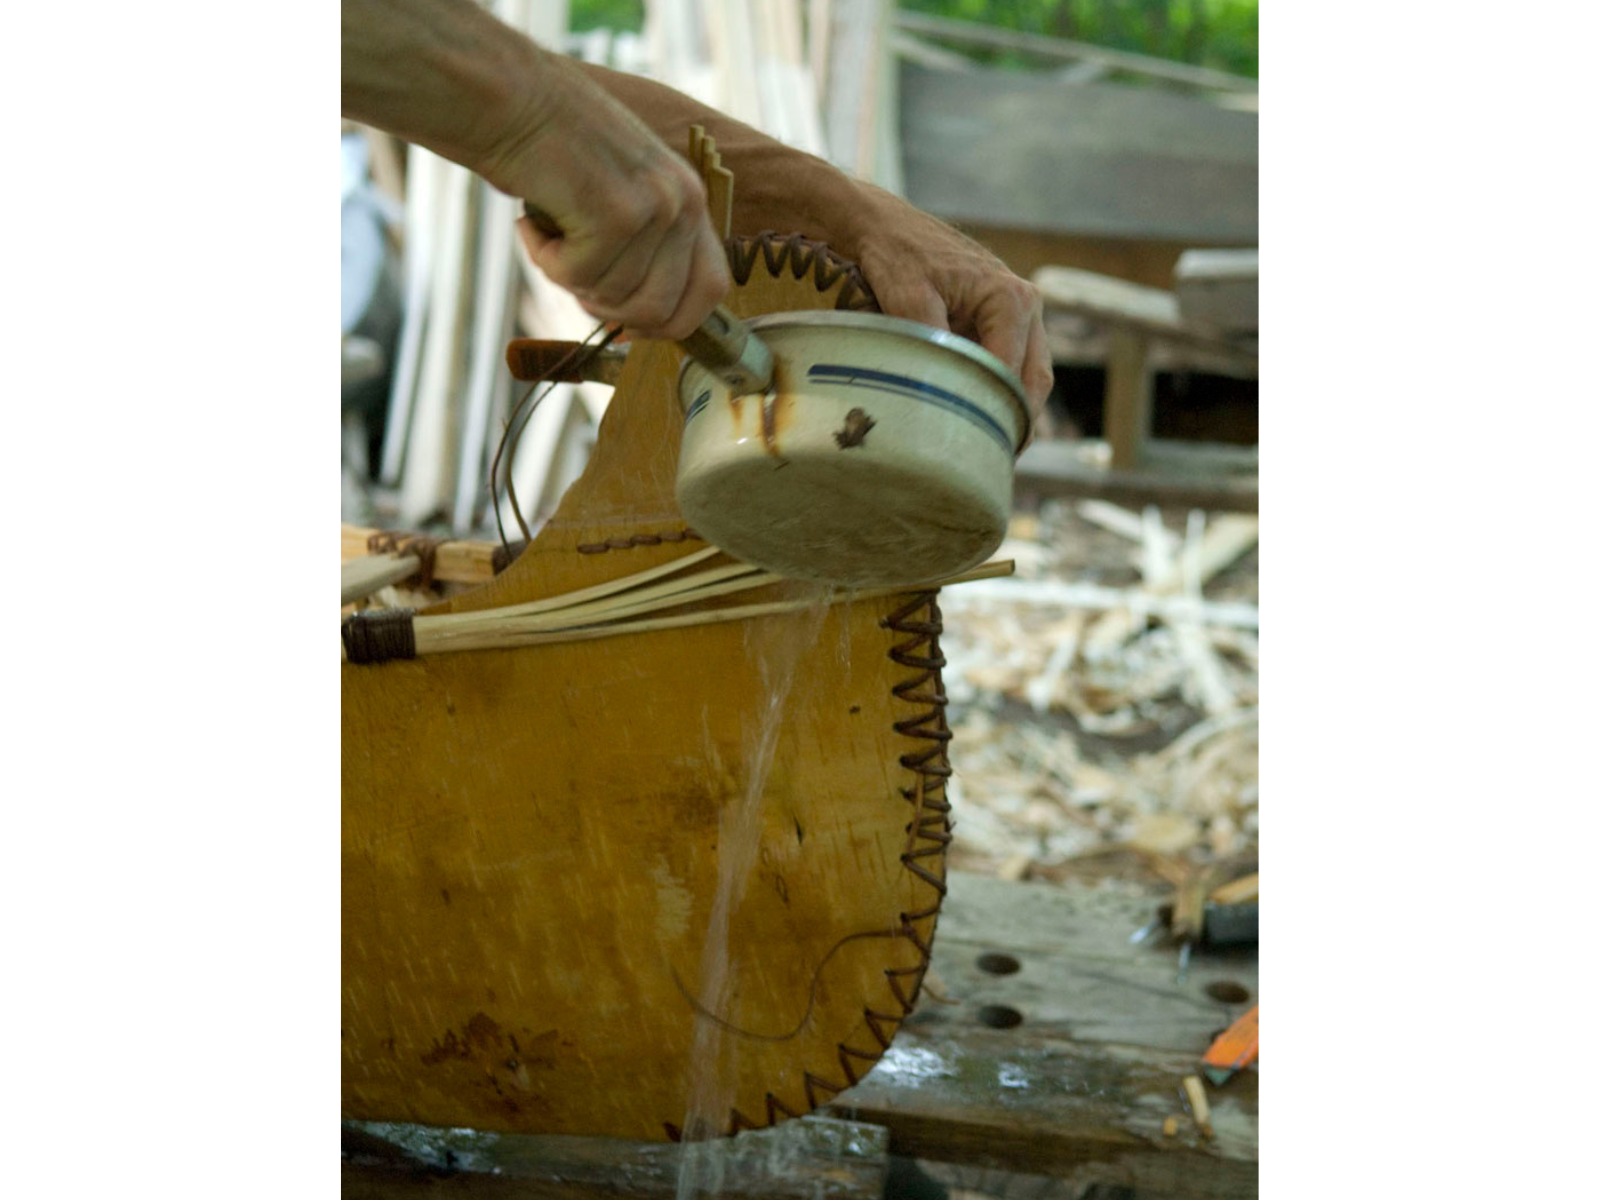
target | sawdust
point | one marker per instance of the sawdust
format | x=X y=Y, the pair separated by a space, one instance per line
x=1089 y=742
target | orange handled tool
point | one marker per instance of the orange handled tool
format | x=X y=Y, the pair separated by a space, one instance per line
x=1234 y=1049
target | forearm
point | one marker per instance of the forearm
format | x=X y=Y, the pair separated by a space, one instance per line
x=775 y=186
x=444 y=74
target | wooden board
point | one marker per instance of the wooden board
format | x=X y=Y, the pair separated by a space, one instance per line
x=1176 y=474
x=532 y=838
x=1023 y=151
x=1081 y=1085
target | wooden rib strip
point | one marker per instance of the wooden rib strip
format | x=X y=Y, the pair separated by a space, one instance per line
x=431 y=638
x=360 y=577
x=620 y=596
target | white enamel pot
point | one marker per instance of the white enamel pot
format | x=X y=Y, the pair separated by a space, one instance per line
x=882 y=456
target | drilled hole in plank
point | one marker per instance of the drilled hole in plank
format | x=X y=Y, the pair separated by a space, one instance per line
x=998 y=964
x=1227 y=992
x=999 y=1016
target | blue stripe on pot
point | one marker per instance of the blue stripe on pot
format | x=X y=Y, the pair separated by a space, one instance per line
x=697 y=406
x=912 y=389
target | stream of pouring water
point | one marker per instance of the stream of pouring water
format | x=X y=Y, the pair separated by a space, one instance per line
x=776 y=647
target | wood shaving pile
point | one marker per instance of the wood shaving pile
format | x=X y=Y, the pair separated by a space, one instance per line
x=1104 y=702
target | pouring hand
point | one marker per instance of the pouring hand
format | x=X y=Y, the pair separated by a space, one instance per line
x=637 y=246
x=922 y=269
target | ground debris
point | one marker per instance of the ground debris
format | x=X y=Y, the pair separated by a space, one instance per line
x=1096 y=739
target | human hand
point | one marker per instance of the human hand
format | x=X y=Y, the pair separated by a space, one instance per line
x=922 y=269
x=636 y=244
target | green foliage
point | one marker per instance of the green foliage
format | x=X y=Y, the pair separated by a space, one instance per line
x=606 y=14
x=1208 y=33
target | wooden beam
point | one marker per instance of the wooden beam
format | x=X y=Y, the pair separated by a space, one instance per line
x=1174 y=474
x=1063 y=49
x=1128 y=388
x=1146 y=310
x=453 y=562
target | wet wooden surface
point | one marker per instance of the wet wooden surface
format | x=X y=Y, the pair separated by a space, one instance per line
x=1097 y=1038
x=814 y=1159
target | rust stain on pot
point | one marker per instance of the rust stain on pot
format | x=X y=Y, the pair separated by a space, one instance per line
x=777 y=410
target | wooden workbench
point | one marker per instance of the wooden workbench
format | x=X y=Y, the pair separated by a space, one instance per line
x=1064 y=1057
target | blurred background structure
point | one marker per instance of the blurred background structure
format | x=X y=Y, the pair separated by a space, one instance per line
x=1104 y=700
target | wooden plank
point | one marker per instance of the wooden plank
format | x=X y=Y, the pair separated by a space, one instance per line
x=1080 y=1083
x=1174 y=474
x=815 y=1157
x=1128 y=390
x=1064 y=49
x=1221 y=288
x=1120 y=304
x=423 y=170
x=491 y=327
x=1025 y=152
x=1077 y=977
x=1079 y=342
x=453 y=562
x=427 y=477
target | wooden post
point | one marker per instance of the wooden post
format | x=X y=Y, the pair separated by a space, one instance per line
x=1127 y=396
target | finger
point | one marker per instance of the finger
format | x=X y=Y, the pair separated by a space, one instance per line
x=533 y=241
x=1038 y=366
x=652 y=309
x=708 y=282
x=913 y=299
x=1003 y=319
x=643 y=285
x=1038 y=374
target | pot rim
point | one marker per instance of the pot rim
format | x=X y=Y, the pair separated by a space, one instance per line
x=943 y=338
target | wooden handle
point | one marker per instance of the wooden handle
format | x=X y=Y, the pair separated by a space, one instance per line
x=533 y=359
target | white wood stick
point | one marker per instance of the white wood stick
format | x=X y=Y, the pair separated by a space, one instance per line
x=360 y=577
x=1104 y=599
x=663 y=595
x=583 y=595
x=431 y=638
x=422 y=175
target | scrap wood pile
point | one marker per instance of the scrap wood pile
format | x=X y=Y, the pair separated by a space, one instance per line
x=1104 y=702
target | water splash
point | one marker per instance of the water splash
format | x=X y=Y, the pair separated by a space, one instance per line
x=775 y=647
